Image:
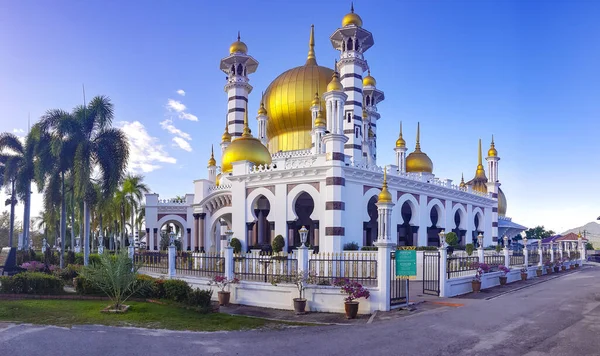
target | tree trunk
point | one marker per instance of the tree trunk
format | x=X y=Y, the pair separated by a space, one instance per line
x=101 y=237
x=86 y=233
x=132 y=225
x=26 y=213
x=63 y=222
x=11 y=229
x=73 y=220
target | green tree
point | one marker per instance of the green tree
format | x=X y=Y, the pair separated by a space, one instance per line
x=134 y=189
x=539 y=232
x=451 y=239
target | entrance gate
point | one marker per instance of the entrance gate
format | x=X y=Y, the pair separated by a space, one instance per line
x=398 y=287
x=431 y=272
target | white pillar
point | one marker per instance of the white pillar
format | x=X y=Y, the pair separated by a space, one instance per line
x=506 y=253
x=423 y=221
x=540 y=253
x=172 y=254
x=302 y=256
x=384 y=273
x=552 y=251
x=228 y=255
x=480 y=251
x=525 y=252
x=443 y=269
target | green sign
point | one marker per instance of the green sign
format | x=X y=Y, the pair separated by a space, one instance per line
x=406 y=263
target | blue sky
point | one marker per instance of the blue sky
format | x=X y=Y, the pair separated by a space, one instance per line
x=525 y=71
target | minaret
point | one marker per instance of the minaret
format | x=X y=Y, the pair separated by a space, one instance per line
x=371 y=97
x=226 y=138
x=212 y=166
x=493 y=185
x=315 y=108
x=318 y=133
x=238 y=65
x=400 y=150
x=462 y=185
x=352 y=41
x=335 y=99
x=262 y=122
x=384 y=210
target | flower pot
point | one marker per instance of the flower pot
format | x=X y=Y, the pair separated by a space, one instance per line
x=503 y=280
x=577 y=265
x=224 y=298
x=351 y=309
x=523 y=276
x=538 y=272
x=548 y=270
x=300 y=306
x=572 y=267
x=476 y=285
x=556 y=269
x=564 y=268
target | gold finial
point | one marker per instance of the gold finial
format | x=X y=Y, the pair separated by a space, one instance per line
x=311 y=59
x=400 y=141
x=479 y=160
x=246 y=132
x=262 y=110
x=418 y=145
x=462 y=180
x=238 y=35
x=492 y=152
x=335 y=83
x=385 y=196
x=212 y=162
x=480 y=172
x=226 y=136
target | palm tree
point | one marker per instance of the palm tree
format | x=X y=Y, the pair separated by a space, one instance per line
x=134 y=189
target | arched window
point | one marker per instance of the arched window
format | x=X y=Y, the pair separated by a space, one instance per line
x=350 y=44
x=232 y=69
x=240 y=69
x=349 y=117
x=368 y=101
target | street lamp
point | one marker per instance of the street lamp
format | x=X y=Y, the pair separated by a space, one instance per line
x=442 y=236
x=303 y=235
x=480 y=240
x=228 y=235
x=172 y=238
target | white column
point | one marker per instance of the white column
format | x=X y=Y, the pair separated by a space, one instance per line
x=423 y=221
x=172 y=253
x=384 y=273
x=506 y=253
x=302 y=256
x=552 y=251
x=443 y=269
x=228 y=255
x=480 y=252
x=540 y=253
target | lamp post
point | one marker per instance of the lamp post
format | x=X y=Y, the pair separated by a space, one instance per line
x=172 y=238
x=442 y=236
x=228 y=235
x=303 y=236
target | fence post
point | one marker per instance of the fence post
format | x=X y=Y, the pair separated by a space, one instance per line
x=302 y=256
x=552 y=251
x=228 y=255
x=525 y=253
x=480 y=252
x=540 y=253
x=443 y=267
x=384 y=273
x=506 y=253
x=581 y=249
x=172 y=254
x=560 y=250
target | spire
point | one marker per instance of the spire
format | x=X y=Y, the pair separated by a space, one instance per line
x=262 y=110
x=479 y=160
x=462 y=180
x=212 y=162
x=226 y=136
x=480 y=172
x=311 y=59
x=352 y=6
x=400 y=141
x=238 y=35
x=492 y=152
x=246 y=133
x=418 y=145
x=385 y=196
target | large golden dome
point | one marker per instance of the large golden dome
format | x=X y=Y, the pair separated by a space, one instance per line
x=418 y=161
x=501 y=203
x=245 y=148
x=288 y=100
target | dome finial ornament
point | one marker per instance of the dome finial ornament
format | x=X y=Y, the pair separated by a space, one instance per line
x=352 y=6
x=311 y=58
x=418 y=145
x=400 y=143
x=335 y=84
x=351 y=19
x=417 y=161
x=238 y=46
x=261 y=109
x=480 y=172
x=212 y=162
x=385 y=196
x=462 y=181
x=238 y=35
x=492 y=152
x=226 y=136
x=246 y=133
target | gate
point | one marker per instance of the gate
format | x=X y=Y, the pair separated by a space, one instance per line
x=431 y=272
x=398 y=287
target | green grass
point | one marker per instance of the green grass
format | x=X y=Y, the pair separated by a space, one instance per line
x=144 y=315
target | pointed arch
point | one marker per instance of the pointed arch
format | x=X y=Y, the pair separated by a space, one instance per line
x=441 y=212
x=414 y=207
x=293 y=195
x=463 y=216
x=253 y=197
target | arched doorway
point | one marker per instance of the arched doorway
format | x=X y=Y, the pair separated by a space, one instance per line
x=478 y=222
x=261 y=228
x=165 y=230
x=458 y=219
x=433 y=238
x=370 y=227
x=216 y=233
x=303 y=207
x=406 y=232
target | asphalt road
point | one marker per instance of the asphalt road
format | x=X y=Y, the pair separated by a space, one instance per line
x=558 y=317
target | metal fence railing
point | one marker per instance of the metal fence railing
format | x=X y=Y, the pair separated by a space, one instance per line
x=533 y=258
x=264 y=267
x=494 y=261
x=157 y=262
x=517 y=260
x=461 y=266
x=199 y=264
x=356 y=266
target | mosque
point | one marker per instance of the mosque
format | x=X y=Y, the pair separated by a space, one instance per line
x=313 y=163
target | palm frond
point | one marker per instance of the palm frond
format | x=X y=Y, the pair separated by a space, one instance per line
x=111 y=152
x=9 y=141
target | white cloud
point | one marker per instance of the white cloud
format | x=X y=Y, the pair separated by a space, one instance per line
x=175 y=105
x=18 y=131
x=188 y=116
x=145 y=151
x=183 y=144
x=168 y=125
x=181 y=92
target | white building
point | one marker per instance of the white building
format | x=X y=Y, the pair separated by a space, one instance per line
x=313 y=163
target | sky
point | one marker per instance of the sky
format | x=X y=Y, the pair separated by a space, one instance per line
x=525 y=71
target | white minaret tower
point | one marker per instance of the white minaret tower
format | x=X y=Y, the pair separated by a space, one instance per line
x=352 y=41
x=315 y=109
x=238 y=65
x=400 y=150
x=335 y=99
x=371 y=97
x=212 y=166
x=262 y=123
x=318 y=132
x=226 y=138
x=493 y=184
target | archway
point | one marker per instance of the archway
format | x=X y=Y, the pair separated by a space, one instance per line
x=216 y=232
x=406 y=232
x=304 y=207
x=261 y=227
x=165 y=230
x=436 y=218
x=477 y=227
x=370 y=226
x=458 y=227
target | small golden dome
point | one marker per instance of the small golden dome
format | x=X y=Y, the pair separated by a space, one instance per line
x=212 y=162
x=352 y=19
x=492 y=152
x=262 y=111
x=335 y=84
x=385 y=196
x=238 y=47
x=418 y=161
x=245 y=148
x=400 y=143
x=501 y=203
x=369 y=80
x=320 y=120
x=462 y=181
x=226 y=136
x=316 y=101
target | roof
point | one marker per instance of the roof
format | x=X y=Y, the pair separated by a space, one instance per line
x=569 y=237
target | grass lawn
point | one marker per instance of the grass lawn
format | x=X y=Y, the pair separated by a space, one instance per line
x=144 y=315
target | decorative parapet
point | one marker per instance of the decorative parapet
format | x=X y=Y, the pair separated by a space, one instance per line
x=172 y=201
x=218 y=188
x=291 y=154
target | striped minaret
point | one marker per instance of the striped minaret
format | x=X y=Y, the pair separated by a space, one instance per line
x=493 y=184
x=352 y=41
x=238 y=65
x=371 y=97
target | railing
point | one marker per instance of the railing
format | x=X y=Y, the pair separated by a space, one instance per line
x=157 y=262
x=199 y=264
x=263 y=267
x=517 y=260
x=493 y=261
x=461 y=266
x=533 y=258
x=356 y=266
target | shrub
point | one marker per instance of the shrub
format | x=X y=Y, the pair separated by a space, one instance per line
x=176 y=290
x=469 y=249
x=451 y=239
x=199 y=299
x=70 y=272
x=498 y=248
x=31 y=283
x=351 y=246
x=236 y=244
x=426 y=248
x=70 y=258
x=278 y=243
x=368 y=248
x=589 y=246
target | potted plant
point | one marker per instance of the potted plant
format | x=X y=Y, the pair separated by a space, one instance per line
x=301 y=279
x=523 y=274
x=548 y=266
x=222 y=282
x=353 y=290
x=504 y=270
x=557 y=265
x=481 y=269
x=538 y=272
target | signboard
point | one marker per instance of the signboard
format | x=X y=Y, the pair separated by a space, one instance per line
x=406 y=262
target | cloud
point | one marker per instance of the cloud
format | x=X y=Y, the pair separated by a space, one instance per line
x=179 y=108
x=18 y=131
x=181 y=92
x=183 y=144
x=168 y=125
x=145 y=151
x=188 y=116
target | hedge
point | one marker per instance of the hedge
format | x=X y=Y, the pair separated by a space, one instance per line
x=31 y=283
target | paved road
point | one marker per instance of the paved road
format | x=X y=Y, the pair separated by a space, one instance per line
x=559 y=317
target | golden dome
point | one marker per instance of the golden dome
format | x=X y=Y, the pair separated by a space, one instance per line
x=226 y=136
x=316 y=101
x=400 y=143
x=369 y=80
x=492 y=152
x=352 y=19
x=262 y=110
x=212 y=162
x=320 y=120
x=501 y=203
x=385 y=196
x=238 y=47
x=418 y=161
x=479 y=182
x=335 y=84
x=245 y=148
x=289 y=98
